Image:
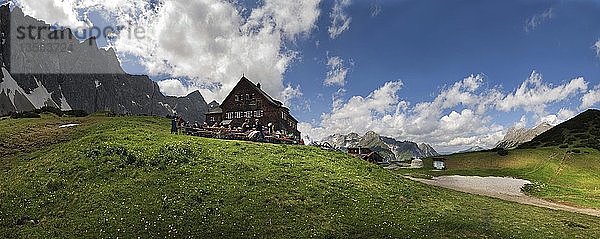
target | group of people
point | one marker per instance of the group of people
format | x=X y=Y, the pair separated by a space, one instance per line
x=177 y=122
x=254 y=130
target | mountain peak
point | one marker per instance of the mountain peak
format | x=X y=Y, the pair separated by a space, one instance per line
x=579 y=131
x=517 y=136
x=82 y=77
x=389 y=148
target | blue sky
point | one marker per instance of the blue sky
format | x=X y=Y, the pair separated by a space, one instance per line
x=454 y=73
x=429 y=44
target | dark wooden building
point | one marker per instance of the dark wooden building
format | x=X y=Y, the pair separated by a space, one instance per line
x=214 y=113
x=247 y=102
x=366 y=154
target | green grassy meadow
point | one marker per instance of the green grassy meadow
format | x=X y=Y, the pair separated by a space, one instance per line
x=128 y=177
x=557 y=174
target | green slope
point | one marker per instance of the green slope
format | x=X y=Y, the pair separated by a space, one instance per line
x=563 y=162
x=558 y=175
x=582 y=131
x=128 y=177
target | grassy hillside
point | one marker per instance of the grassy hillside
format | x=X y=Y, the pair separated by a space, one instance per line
x=128 y=177
x=582 y=131
x=558 y=174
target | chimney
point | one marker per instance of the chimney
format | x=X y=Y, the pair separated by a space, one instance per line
x=258 y=85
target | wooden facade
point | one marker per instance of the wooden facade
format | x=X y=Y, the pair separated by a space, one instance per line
x=214 y=115
x=248 y=103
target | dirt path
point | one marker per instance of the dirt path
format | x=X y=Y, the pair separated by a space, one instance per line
x=508 y=189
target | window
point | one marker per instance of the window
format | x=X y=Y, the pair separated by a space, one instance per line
x=237 y=98
x=248 y=114
x=258 y=113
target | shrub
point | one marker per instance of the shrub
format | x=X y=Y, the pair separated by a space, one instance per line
x=24 y=115
x=76 y=113
x=502 y=152
x=54 y=185
x=114 y=154
x=585 y=136
x=50 y=109
x=575 y=151
x=534 y=187
x=175 y=155
x=564 y=146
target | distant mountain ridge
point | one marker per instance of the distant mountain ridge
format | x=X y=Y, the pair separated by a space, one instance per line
x=517 y=136
x=472 y=149
x=389 y=148
x=582 y=131
x=82 y=77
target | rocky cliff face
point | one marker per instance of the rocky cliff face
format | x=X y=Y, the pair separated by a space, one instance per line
x=389 y=148
x=517 y=136
x=427 y=150
x=69 y=74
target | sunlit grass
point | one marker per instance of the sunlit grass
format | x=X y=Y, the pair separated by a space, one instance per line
x=561 y=176
x=129 y=177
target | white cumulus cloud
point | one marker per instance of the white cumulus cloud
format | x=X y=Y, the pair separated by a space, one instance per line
x=460 y=116
x=534 y=95
x=175 y=87
x=561 y=116
x=210 y=42
x=591 y=98
x=60 y=12
x=384 y=112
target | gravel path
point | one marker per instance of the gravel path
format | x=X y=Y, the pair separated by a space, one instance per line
x=503 y=188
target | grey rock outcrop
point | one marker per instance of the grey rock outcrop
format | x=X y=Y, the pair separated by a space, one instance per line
x=427 y=150
x=517 y=136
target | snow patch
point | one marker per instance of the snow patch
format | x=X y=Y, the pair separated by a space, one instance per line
x=40 y=96
x=168 y=107
x=10 y=86
x=97 y=83
x=64 y=105
x=67 y=126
